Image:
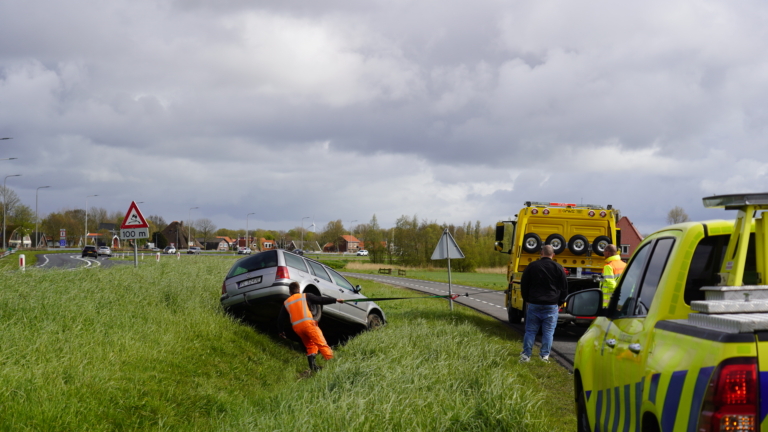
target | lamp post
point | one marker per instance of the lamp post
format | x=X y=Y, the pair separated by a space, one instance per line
x=246 y=230
x=5 y=200
x=302 y=231
x=37 y=236
x=85 y=236
x=190 y=225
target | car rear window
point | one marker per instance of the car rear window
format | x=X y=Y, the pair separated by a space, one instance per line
x=294 y=261
x=257 y=262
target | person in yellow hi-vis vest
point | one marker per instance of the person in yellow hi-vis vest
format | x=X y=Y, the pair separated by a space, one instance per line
x=297 y=307
x=614 y=267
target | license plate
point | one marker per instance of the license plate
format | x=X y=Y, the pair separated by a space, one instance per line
x=249 y=282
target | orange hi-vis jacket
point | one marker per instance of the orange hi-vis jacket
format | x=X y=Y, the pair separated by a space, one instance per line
x=298 y=309
x=306 y=327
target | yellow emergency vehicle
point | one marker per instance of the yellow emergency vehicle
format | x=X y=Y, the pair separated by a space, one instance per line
x=577 y=233
x=683 y=343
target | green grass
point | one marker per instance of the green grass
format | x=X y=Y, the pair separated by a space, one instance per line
x=493 y=281
x=150 y=349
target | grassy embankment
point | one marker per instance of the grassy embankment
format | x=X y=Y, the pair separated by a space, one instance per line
x=149 y=348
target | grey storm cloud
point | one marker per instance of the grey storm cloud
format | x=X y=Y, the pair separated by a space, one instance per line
x=454 y=111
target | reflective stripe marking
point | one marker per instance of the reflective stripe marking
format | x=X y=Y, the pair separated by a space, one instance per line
x=605 y=276
x=607 y=409
x=672 y=400
x=305 y=313
x=698 y=396
x=599 y=409
x=638 y=401
x=627 y=409
x=763 y=376
x=654 y=387
x=301 y=320
x=616 y=408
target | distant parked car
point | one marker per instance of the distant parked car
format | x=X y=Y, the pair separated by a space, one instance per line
x=169 y=250
x=243 y=251
x=257 y=286
x=105 y=250
x=194 y=250
x=362 y=252
x=89 y=251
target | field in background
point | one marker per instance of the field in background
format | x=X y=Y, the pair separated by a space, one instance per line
x=149 y=348
x=495 y=278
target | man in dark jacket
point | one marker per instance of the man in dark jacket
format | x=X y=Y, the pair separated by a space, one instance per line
x=544 y=288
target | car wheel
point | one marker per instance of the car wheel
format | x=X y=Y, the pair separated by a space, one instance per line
x=582 y=420
x=531 y=243
x=599 y=245
x=316 y=310
x=557 y=242
x=578 y=244
x=375 y=321
x=514 y=315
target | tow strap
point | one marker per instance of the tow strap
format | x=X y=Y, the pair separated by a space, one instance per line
x=452 y=297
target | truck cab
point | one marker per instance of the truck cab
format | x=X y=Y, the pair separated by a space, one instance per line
x=578 y=233
x=683 y=343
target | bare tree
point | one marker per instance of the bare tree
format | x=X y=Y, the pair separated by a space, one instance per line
x=206 y=227
x=159 y=222
x=677 y=215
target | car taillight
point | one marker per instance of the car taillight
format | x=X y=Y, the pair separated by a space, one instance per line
x=730 y=403
x=282 y=273
x=223 y=287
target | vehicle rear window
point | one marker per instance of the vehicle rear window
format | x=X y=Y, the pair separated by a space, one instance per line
x=295 y=261
x=706 y=263
x=257 y=262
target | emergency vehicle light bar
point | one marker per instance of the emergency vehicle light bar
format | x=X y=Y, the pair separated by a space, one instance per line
x=735 y=201
x=553 y=204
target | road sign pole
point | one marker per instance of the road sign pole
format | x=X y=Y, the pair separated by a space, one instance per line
x=135 y=254
x=448 y=255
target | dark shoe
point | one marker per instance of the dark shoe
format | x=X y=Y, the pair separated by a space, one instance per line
x=312 y=365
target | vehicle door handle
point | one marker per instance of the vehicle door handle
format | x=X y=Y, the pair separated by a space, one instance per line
x=611 y=342
x=317 y=280
x=635 y=348
x=341 y=290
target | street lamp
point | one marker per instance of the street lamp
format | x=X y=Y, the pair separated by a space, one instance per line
x=302 y=230
x=5 y=200
x=85 y=236
x=246 y=230
x=189 y=237
x=37 y=236
x=350 y=225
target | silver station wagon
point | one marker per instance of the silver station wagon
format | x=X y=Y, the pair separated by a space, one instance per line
x=257 y=286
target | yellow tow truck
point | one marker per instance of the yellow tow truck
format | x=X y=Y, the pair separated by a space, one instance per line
x=683 y=342
x=578 y=233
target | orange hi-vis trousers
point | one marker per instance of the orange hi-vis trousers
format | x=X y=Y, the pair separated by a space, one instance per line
x=313 y=338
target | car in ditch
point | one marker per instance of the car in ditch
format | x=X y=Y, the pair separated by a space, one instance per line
x=256 y=287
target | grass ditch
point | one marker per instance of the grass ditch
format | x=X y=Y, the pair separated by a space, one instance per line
x=149 y=348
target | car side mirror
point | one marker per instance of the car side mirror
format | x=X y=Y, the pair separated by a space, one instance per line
x=357 y=289
x=587 y=303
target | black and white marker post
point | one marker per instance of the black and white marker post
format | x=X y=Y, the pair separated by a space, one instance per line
x=447 y=249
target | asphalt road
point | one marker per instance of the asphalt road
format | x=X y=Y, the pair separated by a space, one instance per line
x=489 y=302
x=73 y=261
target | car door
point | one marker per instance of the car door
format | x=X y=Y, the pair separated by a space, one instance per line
x=356 y=311
x=627 y=342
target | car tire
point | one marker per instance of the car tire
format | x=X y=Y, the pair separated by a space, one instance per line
x=531 y=243
x=514 y=315
x=582 y=420
x=578 y=244
x=557 y=242
x=598 y=246
x=316 y=310
x=375 y=321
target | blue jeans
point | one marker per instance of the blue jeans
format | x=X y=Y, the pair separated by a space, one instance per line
x=544 y=317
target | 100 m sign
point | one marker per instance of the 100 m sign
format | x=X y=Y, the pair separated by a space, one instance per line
x=134 y=233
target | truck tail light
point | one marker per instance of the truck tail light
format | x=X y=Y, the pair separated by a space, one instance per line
x=282 y=273
x=223 y=287
x=730 y=403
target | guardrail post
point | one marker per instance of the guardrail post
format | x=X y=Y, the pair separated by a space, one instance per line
x=22 y=263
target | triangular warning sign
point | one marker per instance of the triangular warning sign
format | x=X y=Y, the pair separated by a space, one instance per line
x=447 y=248
x=134 y=218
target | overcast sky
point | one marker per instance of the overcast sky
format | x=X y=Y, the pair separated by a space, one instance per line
x=451 y=111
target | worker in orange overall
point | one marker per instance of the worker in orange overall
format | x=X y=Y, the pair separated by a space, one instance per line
x=297 y=307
